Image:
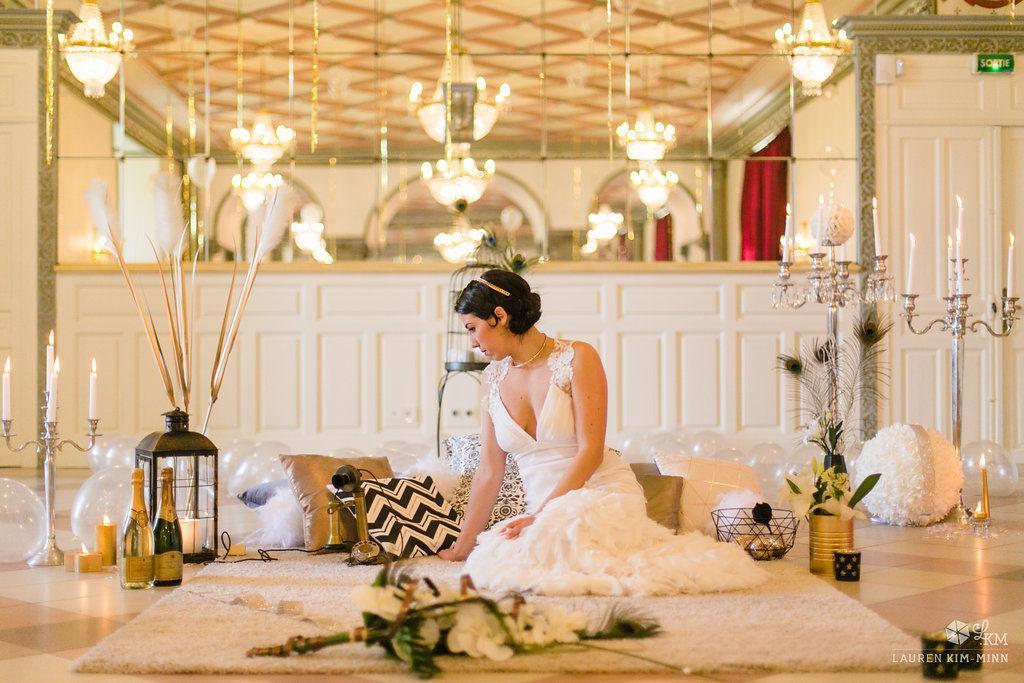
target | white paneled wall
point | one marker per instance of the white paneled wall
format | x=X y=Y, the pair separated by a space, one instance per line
x=334 y=358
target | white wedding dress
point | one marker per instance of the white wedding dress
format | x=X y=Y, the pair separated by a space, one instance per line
x=597 y=539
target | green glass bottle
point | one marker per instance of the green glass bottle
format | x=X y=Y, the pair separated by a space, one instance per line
x=167 y=558
x=136 y=565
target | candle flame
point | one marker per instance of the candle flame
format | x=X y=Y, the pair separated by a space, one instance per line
x=84 y=549
x=959 y=237
x=789 y=212
x=981 y=463
x=51 y=337
x=959 y=202
x=913 y=240
x=949 y=242
x=978 y=509
x=94 y=365
x=106 y=519
x=7 y=366
x=874 y=202
x=56 y=365
x=821 y=199
x=1013 y=239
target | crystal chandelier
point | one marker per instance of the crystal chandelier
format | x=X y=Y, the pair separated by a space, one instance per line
x=459 y=183
x=92 y=54
x=653 y=186
x=605 y=224
x=265 y=143
x=814 y=49
x=254 y=188
x=647 y=139
x=460 y=242
x=432 y=113
x=308 y=233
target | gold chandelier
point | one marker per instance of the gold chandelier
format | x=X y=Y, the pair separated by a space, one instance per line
x=265 y=143
x=814 y=49
x=457 y=183
x=646 y=139
x=653 y=185
x=469 y=96
x=92 y=54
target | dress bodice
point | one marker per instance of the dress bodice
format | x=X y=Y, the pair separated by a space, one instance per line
x=543 y=460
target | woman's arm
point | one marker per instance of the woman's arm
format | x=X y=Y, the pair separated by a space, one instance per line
x=590 y=410
x=484 y=490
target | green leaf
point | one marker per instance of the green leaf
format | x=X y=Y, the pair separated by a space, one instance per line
x=864 y=488
x=793 y=487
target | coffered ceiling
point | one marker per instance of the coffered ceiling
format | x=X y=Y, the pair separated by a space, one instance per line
x=685 y=58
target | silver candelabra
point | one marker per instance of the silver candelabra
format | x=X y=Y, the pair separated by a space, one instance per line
x=49 y=444
x=957 y=322
x=829 y=283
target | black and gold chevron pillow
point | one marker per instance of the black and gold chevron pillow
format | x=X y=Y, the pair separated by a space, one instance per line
x=409 y=518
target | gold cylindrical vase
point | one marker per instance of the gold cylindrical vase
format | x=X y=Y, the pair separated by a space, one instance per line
x=828 y=534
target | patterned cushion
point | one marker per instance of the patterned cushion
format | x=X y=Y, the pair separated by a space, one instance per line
x=408 y=517
x=707 y=480
x=462 y=456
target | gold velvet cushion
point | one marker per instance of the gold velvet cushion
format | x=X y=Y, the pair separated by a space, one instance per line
x=662 y=493
x=309 y=476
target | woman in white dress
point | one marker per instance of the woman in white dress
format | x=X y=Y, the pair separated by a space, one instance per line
x=586 y=529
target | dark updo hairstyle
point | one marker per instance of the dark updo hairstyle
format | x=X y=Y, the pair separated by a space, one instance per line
x=521 y=304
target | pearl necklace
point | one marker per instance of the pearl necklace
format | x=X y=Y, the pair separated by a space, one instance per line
x=534 y=356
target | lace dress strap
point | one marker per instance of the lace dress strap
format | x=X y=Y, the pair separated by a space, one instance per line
x=494 y=373
x=560 y=363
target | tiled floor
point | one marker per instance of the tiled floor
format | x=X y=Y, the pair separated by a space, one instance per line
x=916 y=578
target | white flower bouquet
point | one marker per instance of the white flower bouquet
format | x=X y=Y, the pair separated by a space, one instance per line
x=826 y=491
x=415 y=620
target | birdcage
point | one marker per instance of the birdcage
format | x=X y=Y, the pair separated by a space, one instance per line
x=459 y=354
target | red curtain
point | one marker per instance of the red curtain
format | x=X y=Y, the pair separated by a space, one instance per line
x=763 y=203
x=663 y=238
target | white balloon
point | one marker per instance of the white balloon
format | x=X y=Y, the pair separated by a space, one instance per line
x=672 y=443
x=635 y=447
x=23 y=522
x=255 y=471
x=511 y=218
x=109 y=493
x=730 y=454
x=347 y=453
x=1003 y=478
x=765 y=452
x=271 y=450
x=231 y=456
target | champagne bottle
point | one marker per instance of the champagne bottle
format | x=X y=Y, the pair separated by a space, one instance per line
x=137 y=560
x=167 y=535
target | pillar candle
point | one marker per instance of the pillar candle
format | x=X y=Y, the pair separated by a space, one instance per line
x=959 y=226
x=959 y=264
x=984 y=486
x=910 y=263
x=787 y=237
x=92 y=391
x=5 y=392
x=190 y=541
x=51 y=402
x=1009 y=267
x=949 y=264
x=874 y=221
x=820 y=212
x=82 y=561
x=106 y=545
x=49 y=362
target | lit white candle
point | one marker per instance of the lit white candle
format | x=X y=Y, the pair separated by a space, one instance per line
x=910 y=264
x=51 y=402
x=5 y=395
x=959 y=226
x=190 y=542
x=820 y=213
x=874 y=222
x=949 y=264
x=92 y=391
x=49 y=361
x=1009 y=267
x=959 y=264
x=787 y=237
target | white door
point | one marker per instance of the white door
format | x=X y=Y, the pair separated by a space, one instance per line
x=1012 y=221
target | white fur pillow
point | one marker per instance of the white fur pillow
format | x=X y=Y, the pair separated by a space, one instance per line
x=921 y=475
x=707 y=480
x=281 y=522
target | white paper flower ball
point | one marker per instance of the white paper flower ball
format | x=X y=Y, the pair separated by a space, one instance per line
x=835 y=222
x=921 y=475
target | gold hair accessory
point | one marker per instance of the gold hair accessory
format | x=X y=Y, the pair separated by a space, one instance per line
x=496 y=288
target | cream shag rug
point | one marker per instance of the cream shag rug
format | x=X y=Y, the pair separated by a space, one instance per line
x=795 y=622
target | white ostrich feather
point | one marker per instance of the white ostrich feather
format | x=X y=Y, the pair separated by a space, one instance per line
x=96 y=199
x=170 y=220
x=277 y=218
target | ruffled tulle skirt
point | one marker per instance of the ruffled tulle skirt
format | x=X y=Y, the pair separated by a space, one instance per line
x=596 y=542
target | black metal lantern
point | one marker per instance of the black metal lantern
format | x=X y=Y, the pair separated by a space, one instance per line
x=193 y=459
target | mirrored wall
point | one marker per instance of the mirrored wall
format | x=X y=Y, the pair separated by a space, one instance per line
x=577 y=130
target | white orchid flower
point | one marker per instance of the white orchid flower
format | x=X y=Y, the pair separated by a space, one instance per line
x=384 y=601
x=477 y=633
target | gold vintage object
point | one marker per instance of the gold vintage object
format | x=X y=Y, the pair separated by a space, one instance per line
x=828 y=535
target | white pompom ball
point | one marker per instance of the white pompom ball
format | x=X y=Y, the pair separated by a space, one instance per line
x=835 y=223
x=921 y=475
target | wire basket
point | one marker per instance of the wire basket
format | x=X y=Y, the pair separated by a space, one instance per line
x=762 y=541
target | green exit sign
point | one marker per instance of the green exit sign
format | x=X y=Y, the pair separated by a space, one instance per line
x=993 y=64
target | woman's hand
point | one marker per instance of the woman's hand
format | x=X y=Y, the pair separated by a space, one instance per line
x=454 y=554
x=516 y=526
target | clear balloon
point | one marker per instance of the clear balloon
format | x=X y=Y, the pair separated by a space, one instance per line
x=804 y=453
x=109 y=493
x=1001 y=472
x=400 y=460
x=765 y=452
x=731 y=454
x=852 y=452
x=347 y=453
x=705 y=444
x=672 y=443
x=229 y=458
x=22 y=521
x=636 y=447
x=255 y=470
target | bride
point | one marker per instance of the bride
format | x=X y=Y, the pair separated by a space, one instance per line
x=586 y=530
